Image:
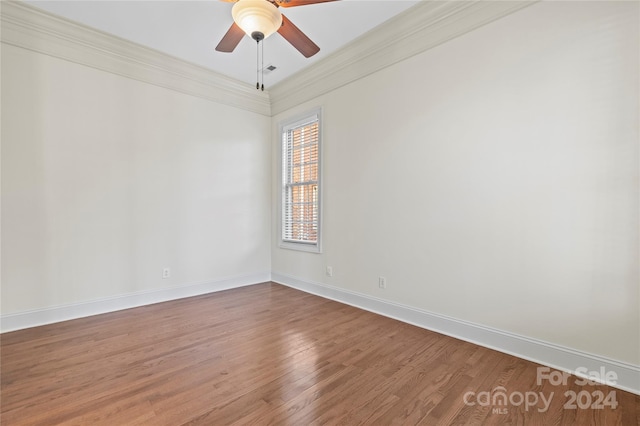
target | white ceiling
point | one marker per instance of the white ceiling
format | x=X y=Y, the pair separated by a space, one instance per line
x=190 y=30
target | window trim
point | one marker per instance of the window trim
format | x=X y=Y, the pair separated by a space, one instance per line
x=284 y=126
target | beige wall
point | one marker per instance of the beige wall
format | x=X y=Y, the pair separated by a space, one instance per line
x=106 y=180
x=493 y=179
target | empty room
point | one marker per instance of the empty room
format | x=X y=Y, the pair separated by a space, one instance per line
x=320 y=212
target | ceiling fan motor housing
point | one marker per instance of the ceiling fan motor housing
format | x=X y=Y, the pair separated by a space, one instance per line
x=257 y=36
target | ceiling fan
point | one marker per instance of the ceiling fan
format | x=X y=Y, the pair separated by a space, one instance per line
x=261 y=18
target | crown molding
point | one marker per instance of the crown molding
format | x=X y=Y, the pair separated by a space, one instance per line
x=419 y=28
x=30 y=28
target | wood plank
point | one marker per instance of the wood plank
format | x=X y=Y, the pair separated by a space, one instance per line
x=267 y=354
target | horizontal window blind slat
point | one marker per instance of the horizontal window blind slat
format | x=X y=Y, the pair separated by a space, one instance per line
x=306 y=183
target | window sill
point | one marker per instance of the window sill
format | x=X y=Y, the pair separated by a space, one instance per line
x=309 y=248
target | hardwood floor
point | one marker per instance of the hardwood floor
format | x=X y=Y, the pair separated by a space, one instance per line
x=268 y=354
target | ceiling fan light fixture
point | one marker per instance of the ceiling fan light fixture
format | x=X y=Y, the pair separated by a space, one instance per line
x=257 y=17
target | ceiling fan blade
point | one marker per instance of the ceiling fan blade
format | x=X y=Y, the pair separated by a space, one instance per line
x=292 y=3
x=230 y=39
x=297 y=38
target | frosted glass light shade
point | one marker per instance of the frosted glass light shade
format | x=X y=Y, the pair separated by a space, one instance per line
x=257 y=16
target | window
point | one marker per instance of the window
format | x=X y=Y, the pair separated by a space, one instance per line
x=301 y=183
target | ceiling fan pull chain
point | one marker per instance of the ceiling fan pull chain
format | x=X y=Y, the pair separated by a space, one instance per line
x=257 y=63
x=262 y=67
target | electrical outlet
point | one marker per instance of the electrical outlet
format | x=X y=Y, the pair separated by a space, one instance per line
x=329 y=271
x=166 y=273
x=382 y=282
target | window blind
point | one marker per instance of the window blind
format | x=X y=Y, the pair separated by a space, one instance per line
x=300 y=218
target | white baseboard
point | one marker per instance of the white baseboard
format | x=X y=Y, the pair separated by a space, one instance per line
x=545 y=353
x=34 y=318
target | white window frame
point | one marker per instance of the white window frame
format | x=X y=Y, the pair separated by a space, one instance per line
x=284 y=127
